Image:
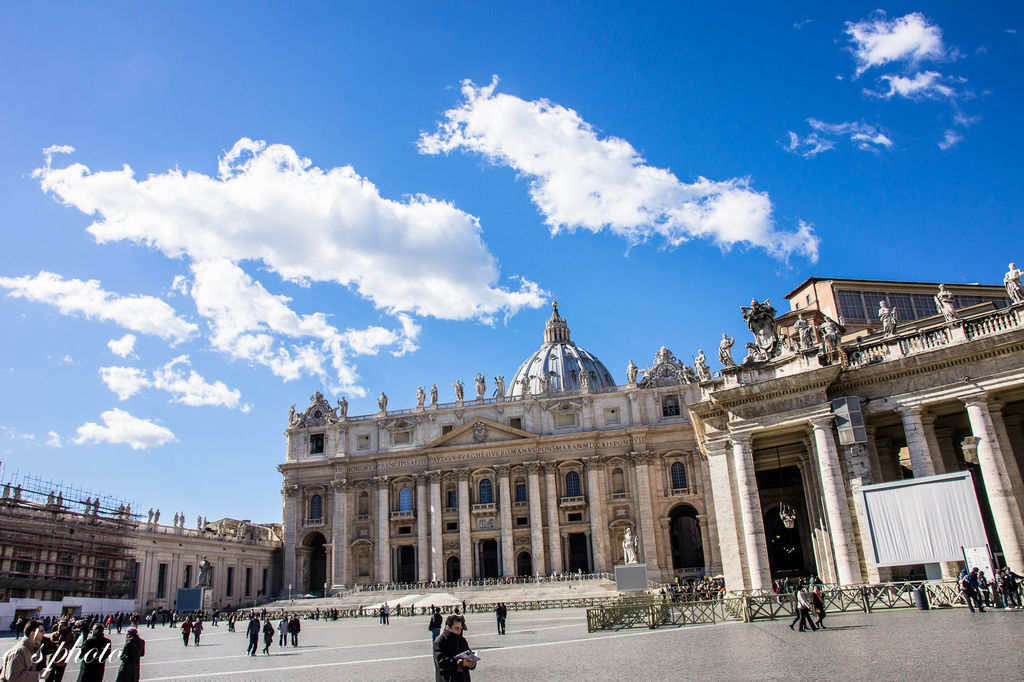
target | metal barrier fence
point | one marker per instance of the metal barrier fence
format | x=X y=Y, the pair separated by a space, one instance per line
x=754 y=605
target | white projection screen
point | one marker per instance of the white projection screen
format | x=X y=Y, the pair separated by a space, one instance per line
x=923 y=520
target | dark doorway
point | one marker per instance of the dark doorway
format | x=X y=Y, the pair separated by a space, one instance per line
x=524 y=564
x=488 y=558
x=785 y=551
x=317 y=563
x=578 y=560
x=406 y=564
x=684 y=535
x=452 y=571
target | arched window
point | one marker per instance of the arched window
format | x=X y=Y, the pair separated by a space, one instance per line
x=572 y=485
x=405 y=499
x=618 y=482
x=316 y=508
x=678 y=476
x=486 y=491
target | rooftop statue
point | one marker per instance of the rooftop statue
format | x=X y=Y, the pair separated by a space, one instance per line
x=433 y=394
x=700 y=364
x=421 y=396
x=725 y=350
x=631 y=371
x=760 y=319
x=459 y=390
x=944 y=304
x=1014 y=288
x=805 y=333
x=499 y=386
x=888 y=318
x=481 y=386
x=382 y=402
x=342 y=407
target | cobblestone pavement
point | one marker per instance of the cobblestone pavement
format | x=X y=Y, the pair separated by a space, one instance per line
x=546 y=645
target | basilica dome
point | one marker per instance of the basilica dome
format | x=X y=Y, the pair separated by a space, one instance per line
x=559 y=364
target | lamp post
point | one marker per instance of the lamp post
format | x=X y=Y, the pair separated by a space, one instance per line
x=290 y=593
x=325 y=590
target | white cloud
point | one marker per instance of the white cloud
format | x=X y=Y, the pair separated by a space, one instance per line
x=124 y=381
x=950 y=139
x=420 y=255
x=179 y=286
x=123 y=346
x=68 y=360
x=14 y=433
x=922 y=85
x=53 y=439
x=581 y=180
x=800 y=24
x=119 y=428
x=823 y=137
x=191 y=390
x=143 y=314
x=878 y=41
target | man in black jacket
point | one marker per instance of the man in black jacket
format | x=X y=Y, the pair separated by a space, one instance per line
x=95 y=652
x=448 y=667
x=293 y=629
x=253 y=631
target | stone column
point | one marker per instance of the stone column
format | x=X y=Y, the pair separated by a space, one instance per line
x=554 y=534
x=598 y=526
x=478 y=562
x=705 y=543
x=466 y=555
x=1010 y=461
x=436 y=538
x=383 y=572
x=505 y=519
x=712 y=553
x=922 y=460
x=536 y=522
x=750 y=511
x=725 y=514
x=590 y=551
x=339 y=532
x=1005 y=512
x=292 y=509
x=422 y=533
x=648 y=529
x=836 y=505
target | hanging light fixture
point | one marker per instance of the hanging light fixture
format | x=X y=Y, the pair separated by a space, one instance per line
x=786 y=512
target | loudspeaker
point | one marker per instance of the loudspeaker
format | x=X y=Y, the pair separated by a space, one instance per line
x=849 y=420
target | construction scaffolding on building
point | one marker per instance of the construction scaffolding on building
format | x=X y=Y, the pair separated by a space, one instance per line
x=58 y=540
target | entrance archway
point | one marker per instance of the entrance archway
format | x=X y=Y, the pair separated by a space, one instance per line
x=684 y=536
x=406 y=564
x=524 y=564
x=785 y=550
x=452 y=570
x=488 y=558
x=316 y=568
x=578 y=560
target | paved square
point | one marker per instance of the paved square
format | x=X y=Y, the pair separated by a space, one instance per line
x=544 y=645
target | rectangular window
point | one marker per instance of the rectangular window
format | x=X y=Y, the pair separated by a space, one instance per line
x=451 y=526
x=229 y=588
x=522 y=521
x=446 y=428
x=405 y=530
x=670 y=406
x=564 y=420
x=453 y=499
x=316 y=443
x=161 y=581
x=363 y=442
x=576 y=516
x=263 y=583
x=515 y=422
x=188 y=577
x=904 y=306
x=611 y=415
x=924 y=306
x=403 y=437
x=520 y=492
x=851 y=305
x=248 y=582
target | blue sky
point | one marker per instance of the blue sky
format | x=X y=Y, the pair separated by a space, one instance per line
x=263 y=202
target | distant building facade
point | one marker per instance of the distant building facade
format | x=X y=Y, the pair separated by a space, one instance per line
x=740 y=472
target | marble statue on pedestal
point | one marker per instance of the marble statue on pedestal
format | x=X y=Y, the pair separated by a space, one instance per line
x=421 y=396
x=156 y=516
x=499 y=386
x=700 y=365
x=629 y=547
x=887 y=316
x=944 y=300
x=725 y=351
x=149 y=518
x=175 y=518
x=760 y=319
x=1012 y=282
x=584 y=378
x=433 y=394
x=459 y=390
x=481 y=386
x=382 y=402
x=631 y=371
x=342 y=407
x=205 y=578
x=804 y=332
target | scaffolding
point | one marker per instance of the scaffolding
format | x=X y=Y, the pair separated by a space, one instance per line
x=59 y=540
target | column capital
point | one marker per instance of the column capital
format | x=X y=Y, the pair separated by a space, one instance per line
x=716 y=447
x=910 y=410
x=501 y=469
x=592 y=463
x=741 y=438
x=822 y=422
x=532 y=467
x=975 y=399
x=462 y=474
x=640 y=456
x=290 y=491
x=339 y=484
x=380 y=481
x=434 y=476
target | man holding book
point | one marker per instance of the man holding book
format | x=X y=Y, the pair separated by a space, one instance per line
x=453 y=659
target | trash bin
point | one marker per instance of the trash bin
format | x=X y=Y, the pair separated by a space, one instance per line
x=920 y=598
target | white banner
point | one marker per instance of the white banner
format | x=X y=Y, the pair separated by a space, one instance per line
x=923 y=520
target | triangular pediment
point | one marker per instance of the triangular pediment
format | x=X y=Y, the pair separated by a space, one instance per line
x=479 y=431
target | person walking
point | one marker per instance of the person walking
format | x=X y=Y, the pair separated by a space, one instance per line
x=803 y=611
x=253 y=633
x=18 y=663
x=435 y=623
x=449 y=664
x=969 y=588
x=186 y=629
x=197 y=629
x=133 y=650
x=57 y=649
x=818 y=604
x=294 y=627
x=268 y=636
x=93 y=657
x=282 y=631
x=501 y=612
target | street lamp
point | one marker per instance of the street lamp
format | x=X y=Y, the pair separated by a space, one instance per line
x=290 y=593
x=325 y=590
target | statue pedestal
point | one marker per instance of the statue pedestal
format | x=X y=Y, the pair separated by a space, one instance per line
x=194 y=599
x=631 y=577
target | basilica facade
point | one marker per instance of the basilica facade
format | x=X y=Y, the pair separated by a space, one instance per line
x=752 y=472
